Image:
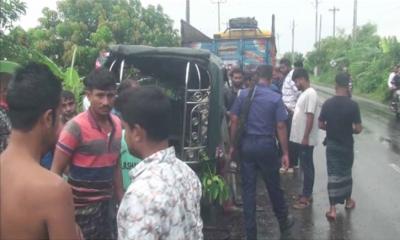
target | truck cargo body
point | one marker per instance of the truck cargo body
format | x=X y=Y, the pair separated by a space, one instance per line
x=246 y=48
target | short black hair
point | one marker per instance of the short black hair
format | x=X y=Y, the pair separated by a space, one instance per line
x=235 y=71
x=300 y=73
x=286 y=62
x=298 y=64
x=33 y=91
x=264 y=71
x=67 y=95
x=342 y=79
x=148 y=107
x=100 y=79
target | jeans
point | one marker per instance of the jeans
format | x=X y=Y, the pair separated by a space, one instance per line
x=307 y=164
x=260 y=154
x=293 y=147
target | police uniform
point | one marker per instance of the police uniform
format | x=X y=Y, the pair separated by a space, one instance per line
x=258 y=151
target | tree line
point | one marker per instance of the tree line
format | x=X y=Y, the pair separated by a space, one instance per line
x=367 y=57
x=79 y=29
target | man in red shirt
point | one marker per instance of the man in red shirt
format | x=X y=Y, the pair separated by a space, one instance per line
x=90 y=145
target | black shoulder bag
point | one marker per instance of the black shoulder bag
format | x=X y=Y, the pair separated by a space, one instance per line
x=244 y=115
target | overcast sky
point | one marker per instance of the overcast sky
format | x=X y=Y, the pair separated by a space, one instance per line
x=384 y=13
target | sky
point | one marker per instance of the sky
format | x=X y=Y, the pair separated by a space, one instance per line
x=204 y=16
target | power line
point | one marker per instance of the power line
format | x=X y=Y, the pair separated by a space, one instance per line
x=334 y=10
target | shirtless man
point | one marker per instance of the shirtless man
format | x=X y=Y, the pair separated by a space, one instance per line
x=35 y=203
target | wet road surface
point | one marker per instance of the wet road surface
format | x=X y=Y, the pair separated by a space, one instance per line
x=376 y=189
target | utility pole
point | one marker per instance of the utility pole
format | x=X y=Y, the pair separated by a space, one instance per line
x=355 y=20
x=219 y=2
x=334 y=10
x=188 y=11
x=320 y=31
x=293 y=26
x=316 y=20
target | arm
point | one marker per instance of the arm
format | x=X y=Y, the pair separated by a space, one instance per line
x=310 y=111
x=322 y=125
x=282 y=136
x=309 y=126
x=67 y=143
x=60 y=218
x=118 y=185
x=357 y=128
x=234 y=126
x=60 y=162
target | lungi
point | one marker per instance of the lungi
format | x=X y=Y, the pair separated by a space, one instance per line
x=97 y=220
x=340 y=158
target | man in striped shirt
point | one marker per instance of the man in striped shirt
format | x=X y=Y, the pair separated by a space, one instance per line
x=90 y=145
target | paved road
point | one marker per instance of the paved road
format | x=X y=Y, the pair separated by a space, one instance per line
x=376 y=175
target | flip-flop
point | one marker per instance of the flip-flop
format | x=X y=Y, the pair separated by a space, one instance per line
x=302 y=204
x=330 y=217
x=350 y=205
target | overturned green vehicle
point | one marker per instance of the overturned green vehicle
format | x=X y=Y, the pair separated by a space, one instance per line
x=193 y=79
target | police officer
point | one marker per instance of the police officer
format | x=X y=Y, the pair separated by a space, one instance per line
x=258 y=149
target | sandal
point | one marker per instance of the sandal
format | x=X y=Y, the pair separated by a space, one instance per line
x=350 y=204
x=302 y=203
x=298 y=197
x=330 y=217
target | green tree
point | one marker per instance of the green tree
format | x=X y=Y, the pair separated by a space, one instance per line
x=295 y=57
x=10 y=11
x=368 y=59
x=93 y=25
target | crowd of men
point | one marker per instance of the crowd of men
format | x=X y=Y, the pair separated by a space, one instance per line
x=281 y=115
x=110 y=173
x=161 y=198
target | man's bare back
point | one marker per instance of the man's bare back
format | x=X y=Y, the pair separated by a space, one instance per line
x=34 y=202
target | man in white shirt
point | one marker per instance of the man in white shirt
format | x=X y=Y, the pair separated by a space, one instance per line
x=395 y=71
x=305 y=133
x=392 y=86
x=290 y=94
x=163 y=200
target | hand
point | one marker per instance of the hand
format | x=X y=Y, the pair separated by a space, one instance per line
x=285 y=162
x=306 y=141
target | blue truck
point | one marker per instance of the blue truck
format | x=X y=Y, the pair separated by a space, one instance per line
x=242 y=44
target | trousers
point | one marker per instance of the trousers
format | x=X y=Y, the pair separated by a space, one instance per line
x=260 y=154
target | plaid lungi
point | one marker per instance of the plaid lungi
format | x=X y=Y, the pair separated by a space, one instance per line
x=97 y=220
x=340 y=160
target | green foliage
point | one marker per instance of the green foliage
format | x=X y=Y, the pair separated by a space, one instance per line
x=10 y=11
x=70 y=77
x=368 y=59
x=296 y=57
x=92 y=25
x=214 y=187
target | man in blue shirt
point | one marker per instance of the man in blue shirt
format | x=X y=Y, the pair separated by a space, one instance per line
x=258 y=149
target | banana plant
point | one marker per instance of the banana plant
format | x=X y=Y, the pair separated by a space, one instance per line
x=70 y=77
